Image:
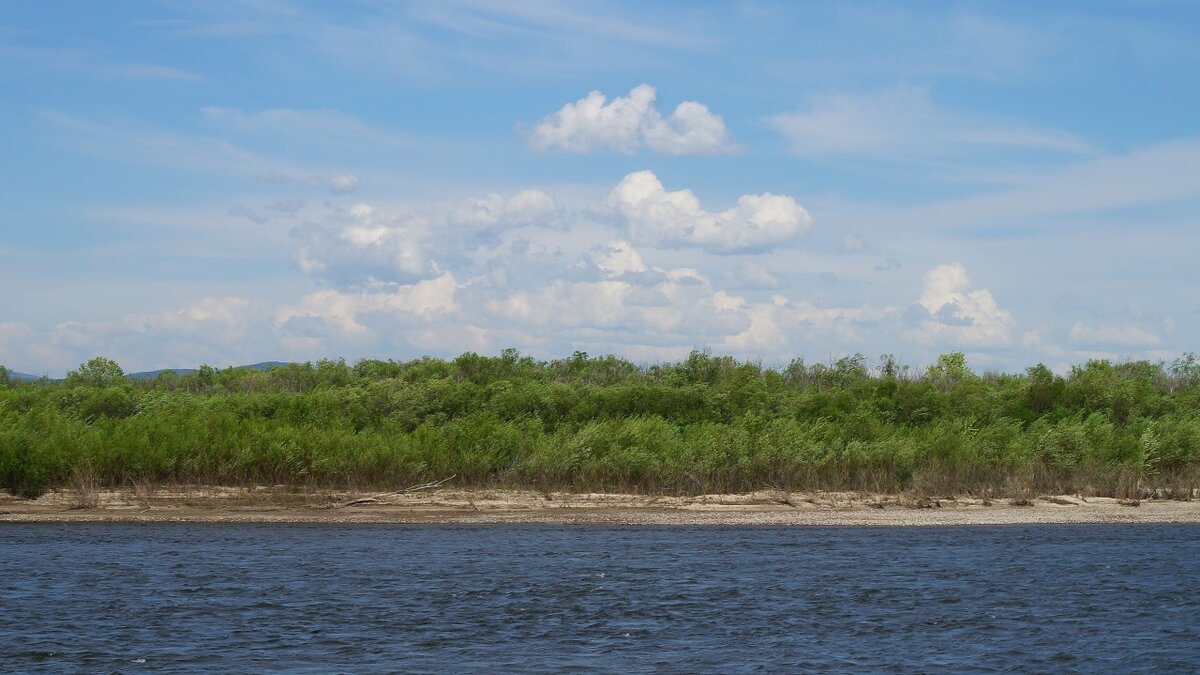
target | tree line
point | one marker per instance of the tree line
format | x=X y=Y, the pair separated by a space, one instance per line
x=707 y=423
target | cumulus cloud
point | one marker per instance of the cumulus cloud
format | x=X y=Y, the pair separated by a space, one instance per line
x=781 y=327
x=215 y=330
x=228 y=314
x=657 y=217
x=643 y=272
x=627 y=124
x=640 y=308
x=365 y=245
x=346 y=313
x=679 y=309
x=955 y=314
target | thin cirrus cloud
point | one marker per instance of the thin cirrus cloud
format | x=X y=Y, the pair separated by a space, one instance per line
x=1109 y=335
x=327 y=128
x=1156 y=174
x=903 y=123
x=147 y=144
x=96 y=63
x=627 y=124
x=395 y=38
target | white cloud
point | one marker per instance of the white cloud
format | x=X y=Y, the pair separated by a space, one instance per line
x=228 y=314
x=366 y=245
x=638 y=307
x=954 y=314
x=618 y=258
x=641 y=271
x=657 y=217
x=346 y=312
x=765 y=334
x=781 y=328
x=495 y=271
x=748 y=275
x=852 y=243
x=526 y=207
x=627 y=124
x=209 y=330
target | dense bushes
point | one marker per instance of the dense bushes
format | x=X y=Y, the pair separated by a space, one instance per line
x=708 y=423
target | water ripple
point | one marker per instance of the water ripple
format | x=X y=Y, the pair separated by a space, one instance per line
x=580 y=599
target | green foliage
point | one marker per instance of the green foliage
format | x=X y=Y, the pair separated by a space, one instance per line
x=98 y=372
x=707 y=423
x=1186 y=371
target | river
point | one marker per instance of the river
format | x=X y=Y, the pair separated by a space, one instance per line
x=263 y=598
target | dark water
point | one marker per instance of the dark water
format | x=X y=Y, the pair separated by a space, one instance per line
x=523 y=598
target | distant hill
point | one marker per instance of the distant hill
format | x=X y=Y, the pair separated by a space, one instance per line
x=266 y=365
x=151 y=374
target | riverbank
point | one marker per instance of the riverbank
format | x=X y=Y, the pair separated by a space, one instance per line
x=202 y=504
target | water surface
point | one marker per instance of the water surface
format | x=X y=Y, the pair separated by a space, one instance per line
x=1091 y=598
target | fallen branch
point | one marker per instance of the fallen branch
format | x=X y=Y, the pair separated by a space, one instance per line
x=414 y=488
x=426 y=486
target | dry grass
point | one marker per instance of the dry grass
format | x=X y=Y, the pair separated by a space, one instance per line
x=84 y=488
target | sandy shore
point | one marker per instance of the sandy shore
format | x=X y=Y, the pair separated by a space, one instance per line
x=470 y=507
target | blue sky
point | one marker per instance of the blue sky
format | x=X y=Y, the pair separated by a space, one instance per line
x=224 y=183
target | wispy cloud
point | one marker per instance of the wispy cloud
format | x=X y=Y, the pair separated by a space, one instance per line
x=561 y=21
x=893 y=41
x=94 y=63
x=903 y=124
x=138 y=142
x=314 y=127
x=501 y=36
x=1160 y=173
x=1113 y=336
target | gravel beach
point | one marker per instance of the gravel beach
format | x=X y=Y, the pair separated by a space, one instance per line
x=203 y=504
